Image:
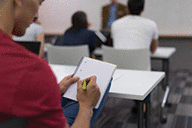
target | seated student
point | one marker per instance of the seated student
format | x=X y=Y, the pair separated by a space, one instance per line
x=33 y=33
x=79 y=34
x=133 y=31
x=28 y=86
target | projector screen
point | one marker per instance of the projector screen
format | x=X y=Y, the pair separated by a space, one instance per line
x=173 y=17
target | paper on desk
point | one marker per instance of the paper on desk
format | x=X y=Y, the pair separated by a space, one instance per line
x=89 y=67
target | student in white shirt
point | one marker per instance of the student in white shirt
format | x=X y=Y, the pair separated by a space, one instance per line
x=133 y=31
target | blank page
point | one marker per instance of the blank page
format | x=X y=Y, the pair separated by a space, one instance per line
x=89 y=67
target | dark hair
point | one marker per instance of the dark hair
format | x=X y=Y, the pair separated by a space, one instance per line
x=79 y=20
x=135 y=6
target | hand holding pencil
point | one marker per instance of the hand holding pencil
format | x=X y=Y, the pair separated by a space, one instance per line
x=88 y=95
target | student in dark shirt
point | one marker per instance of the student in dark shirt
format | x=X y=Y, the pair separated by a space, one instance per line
x=79 y=34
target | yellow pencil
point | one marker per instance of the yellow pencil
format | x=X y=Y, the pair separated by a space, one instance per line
x=84 y=85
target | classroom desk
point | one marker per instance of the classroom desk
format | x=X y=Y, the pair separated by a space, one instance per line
x=128 y=84
x=163 y=54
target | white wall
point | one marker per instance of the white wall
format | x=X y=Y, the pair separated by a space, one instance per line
x=55 y=15
x=173 y=17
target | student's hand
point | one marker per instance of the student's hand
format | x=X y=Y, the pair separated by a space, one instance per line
x=66 y=82
x=88 y=98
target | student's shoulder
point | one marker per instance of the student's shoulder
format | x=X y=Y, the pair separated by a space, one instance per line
x=120 y=20
x=21 y=57
x=91 y=31
x=36 y=68
x=149 y=21
x=88 y=32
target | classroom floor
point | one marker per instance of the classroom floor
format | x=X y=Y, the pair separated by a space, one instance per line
x=117 y=112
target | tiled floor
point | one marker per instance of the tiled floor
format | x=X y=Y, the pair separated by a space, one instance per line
x=116 y=113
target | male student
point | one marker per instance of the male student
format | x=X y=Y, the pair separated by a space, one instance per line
x=134 y=31
x=111 y=12
x=28 y=87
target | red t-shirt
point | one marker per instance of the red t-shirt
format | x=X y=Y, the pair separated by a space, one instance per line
x=28 y=88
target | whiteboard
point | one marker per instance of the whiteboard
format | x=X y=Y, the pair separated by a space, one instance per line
x=173 y=17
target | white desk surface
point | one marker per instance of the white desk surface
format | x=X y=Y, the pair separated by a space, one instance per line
x=162 y=52
x=134 y=84
x=129 y=84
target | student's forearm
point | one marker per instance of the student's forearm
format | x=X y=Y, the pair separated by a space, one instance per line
x=83 y=118
x=154 y=46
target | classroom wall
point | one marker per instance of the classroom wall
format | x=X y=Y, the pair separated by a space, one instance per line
x=173 y=17
x=55 y=15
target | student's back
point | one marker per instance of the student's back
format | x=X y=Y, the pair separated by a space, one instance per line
x=78 y=37
x=23 y=76
x=133 y=32
x=79 y=34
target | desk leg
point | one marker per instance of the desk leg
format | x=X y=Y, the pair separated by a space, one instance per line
x=148 y=109
x=163 y=117
x=166 y=80
x=166 y=69
x=140 y=114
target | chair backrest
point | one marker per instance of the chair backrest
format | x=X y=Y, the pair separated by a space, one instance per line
x=137 y=59
x=14 y=123
x=68 y=55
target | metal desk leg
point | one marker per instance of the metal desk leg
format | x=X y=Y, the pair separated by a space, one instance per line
x=148 y=109
x=140 y=114
x=163 y=117
x=166 y=83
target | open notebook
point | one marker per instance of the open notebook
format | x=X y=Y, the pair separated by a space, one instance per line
x=88 y=67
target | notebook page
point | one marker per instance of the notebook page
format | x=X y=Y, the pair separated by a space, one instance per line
x=89 y=67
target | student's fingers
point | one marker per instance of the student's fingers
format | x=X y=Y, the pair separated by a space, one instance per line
x=69 y=76
x=72 y=80
x=66 y=78
x=79 y=83
x=91 y=81
x=79 y=89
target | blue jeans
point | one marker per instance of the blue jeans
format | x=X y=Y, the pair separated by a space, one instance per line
x=71 y=108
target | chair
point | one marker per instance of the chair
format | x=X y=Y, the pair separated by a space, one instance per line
x=137 y=59
x=14 y=123
x=68 y=55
